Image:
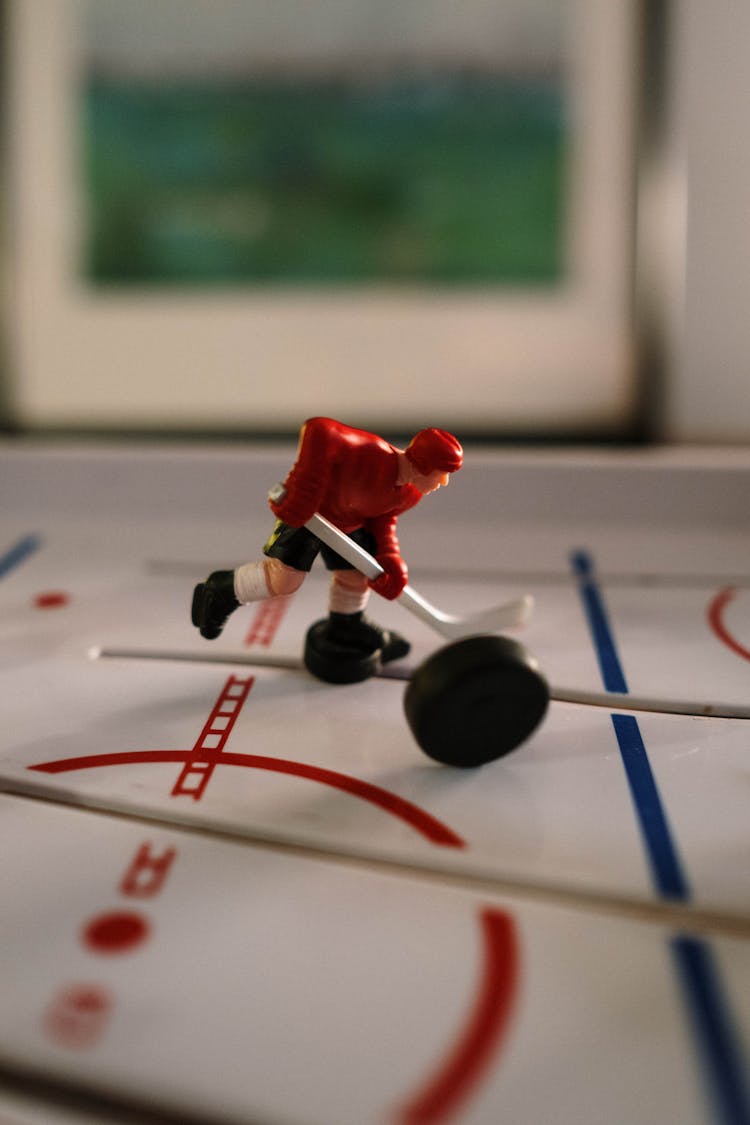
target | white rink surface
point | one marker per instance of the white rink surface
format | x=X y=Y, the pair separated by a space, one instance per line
x=348 y=932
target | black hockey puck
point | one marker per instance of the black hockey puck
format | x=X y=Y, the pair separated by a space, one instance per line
x=475 y=700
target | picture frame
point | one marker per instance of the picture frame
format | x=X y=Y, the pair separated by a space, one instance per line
x=489 y=360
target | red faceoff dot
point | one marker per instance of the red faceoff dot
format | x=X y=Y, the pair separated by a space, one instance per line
x=51 y=599
x=88 y=999
x=115 y=933
x=78 y=1016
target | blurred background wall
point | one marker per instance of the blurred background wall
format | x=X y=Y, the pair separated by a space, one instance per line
x=526 y=219
x=708 y=387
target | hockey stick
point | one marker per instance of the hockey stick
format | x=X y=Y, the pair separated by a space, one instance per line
x=448 y=625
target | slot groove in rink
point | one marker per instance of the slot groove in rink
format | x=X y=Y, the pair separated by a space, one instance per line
x=614 y=701
x=677 y=916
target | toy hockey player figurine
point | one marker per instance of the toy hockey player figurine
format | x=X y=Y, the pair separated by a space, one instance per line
x=362 y=484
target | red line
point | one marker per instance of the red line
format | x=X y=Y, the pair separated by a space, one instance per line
x=434 y=830
x=716 y=621
x=488 y=1020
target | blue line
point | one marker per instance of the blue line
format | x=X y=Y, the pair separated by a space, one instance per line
x=701 y=985
x=713 y=1027
x=613 y=676
x=666 y=870
x=18 y=553
x=660 y=848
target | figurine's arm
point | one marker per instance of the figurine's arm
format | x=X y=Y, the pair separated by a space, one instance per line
x=395 y=572
x=308 y=480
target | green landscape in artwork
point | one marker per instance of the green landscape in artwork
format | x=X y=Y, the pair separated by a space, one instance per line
x=450 y=180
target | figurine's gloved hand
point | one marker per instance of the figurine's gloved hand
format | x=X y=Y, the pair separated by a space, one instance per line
x=390 y=584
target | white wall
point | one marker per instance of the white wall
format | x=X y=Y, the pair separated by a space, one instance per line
x=708 y=391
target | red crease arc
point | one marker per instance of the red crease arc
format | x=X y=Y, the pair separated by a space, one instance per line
x=428 y=826
x=485 y=1028
x=718 y=627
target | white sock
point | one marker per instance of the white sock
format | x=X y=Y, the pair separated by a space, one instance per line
x=250 y=582
x=343 y=600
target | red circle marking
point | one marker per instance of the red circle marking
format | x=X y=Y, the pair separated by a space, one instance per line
x=716 y=622
x=118 y=932
x=423 y=822
x=51 y=599
x=463 y=1066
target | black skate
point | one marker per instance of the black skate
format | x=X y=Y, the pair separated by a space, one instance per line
x=345 y=648
x=213 y=602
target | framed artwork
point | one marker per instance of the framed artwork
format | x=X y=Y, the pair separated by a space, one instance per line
x=231 y=219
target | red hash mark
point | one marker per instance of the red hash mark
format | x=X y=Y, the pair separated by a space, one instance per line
x=211 y=741
x=465 y=1063
x=268 y=617
x=145 y=876
x=718 y=625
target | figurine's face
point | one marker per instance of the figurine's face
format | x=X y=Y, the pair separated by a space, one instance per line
x=429 y=482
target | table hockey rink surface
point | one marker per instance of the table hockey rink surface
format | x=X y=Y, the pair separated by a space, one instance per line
x=232 y=893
